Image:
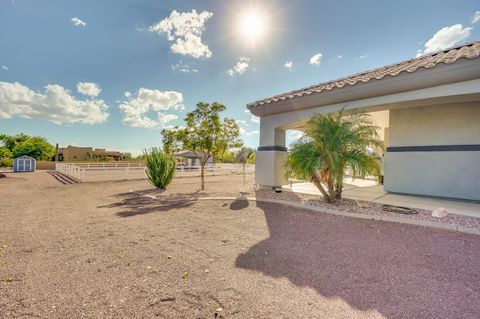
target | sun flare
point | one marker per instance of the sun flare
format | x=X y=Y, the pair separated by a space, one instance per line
x=253 y=26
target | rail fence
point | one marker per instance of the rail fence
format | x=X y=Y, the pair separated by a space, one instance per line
x=111 y=171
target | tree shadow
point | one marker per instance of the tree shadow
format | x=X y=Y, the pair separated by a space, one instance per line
x=150 y=201
x=239 y=204
x=401 y=271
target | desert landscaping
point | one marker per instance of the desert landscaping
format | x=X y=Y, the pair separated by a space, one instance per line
x=125 y=249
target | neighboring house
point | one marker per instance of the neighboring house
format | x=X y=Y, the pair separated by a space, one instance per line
x=74 y=153
x=428 y=109
x=24 y=164
x=188 y=158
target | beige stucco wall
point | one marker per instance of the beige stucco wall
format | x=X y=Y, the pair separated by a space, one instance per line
x=269 y=168
x=454 y=174
x=436 y=125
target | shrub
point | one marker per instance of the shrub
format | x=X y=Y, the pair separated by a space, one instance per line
x=6 y=162
x=161 y=167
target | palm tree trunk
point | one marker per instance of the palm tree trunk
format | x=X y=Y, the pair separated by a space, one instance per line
x=319 y=185
x=331 y=192
x=338 y=190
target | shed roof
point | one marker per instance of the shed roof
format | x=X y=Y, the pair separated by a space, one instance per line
x=428 y=61
x=25 y=157
x=187 y=154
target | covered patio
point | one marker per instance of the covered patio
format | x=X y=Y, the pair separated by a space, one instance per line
x=428 y=111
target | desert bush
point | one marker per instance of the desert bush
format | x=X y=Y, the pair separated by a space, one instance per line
x=160 y=167
x=6 y=162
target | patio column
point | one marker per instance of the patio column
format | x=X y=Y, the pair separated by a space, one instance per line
x=271 y=156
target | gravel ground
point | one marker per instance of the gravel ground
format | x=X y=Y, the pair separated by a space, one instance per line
x=111 y=250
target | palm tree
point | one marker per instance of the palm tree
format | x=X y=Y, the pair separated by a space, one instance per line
x=332 y=144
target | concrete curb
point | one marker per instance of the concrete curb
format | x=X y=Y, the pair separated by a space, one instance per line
x=424 y=223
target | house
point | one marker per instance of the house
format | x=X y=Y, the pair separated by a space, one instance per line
x=24 y=164
x=428 y=109
x=188 y=158
x=75 y=153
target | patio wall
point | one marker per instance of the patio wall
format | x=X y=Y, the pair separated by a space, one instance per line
x=435 y=151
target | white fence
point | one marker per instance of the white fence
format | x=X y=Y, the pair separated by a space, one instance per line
x=111 y=171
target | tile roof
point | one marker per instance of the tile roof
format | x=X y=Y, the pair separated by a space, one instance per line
x=448 y=56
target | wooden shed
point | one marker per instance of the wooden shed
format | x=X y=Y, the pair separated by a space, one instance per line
x=24 y=164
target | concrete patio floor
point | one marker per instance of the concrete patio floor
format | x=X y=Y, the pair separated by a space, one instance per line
x=369 y=190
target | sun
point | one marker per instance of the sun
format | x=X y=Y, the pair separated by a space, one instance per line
x=252 y=26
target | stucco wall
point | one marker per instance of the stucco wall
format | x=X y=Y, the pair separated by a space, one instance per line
x=454 y=174
x=436 y=125
x=269 y=168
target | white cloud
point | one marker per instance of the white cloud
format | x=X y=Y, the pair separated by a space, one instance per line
x=245 y=131
x=361 y=57
x=446 y=37
x=185 y=30
x=242 y=122
x=340 y=56
x=316 y=59
x=248 y=133
x=77 y=22
x=135 y=109
x=163 y=118
x=255 y=119
x=476 y=17
x=127 y=94
x=55 y=105
x=183 y=68
x=5 y=67
x=294 y=134
x=288 y=65
x=240 y=67
x=89 y=88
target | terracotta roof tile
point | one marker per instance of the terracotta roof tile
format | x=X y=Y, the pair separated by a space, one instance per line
x=448 y=56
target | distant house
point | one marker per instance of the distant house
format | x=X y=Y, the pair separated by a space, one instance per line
x=75 y=153
x=188 y=158
x=24 y=164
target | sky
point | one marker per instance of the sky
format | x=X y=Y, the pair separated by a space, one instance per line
x=113 y=73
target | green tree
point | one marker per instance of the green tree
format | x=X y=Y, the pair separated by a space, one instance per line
x=36 y=147
x=10 y=141
x=172 y=139
x=5 y=157
x=204 y=133
x=225 y=157
x=332 y=144
x=161 y=167
x=127 y=156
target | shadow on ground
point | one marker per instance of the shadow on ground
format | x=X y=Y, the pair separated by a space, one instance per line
x=239 y=204
x=150 y=201
x=401 y=271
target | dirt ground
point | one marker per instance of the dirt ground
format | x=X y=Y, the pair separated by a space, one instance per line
x=118 y=250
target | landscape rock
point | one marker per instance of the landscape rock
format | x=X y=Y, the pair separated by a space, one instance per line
x=440 y=213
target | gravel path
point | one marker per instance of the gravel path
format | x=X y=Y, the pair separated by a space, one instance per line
x=111 y=250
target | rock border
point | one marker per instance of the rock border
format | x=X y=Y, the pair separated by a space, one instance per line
x=424 y=223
